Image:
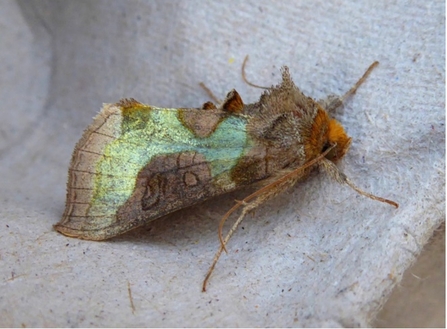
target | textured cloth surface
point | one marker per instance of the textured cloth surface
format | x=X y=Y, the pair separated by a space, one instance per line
x=317 y=255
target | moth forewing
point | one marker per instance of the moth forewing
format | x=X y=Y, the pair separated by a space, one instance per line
x=136 y=163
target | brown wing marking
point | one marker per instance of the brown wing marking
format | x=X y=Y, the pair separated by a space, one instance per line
x=168 y=183
x=201 y=123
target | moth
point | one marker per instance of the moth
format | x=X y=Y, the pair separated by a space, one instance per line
x=136 y=162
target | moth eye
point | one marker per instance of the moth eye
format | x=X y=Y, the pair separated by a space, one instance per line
x=333 y=154
x=325 y=147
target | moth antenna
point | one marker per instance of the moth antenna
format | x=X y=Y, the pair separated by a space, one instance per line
x=210 y=93
x=261 y=195
x=352 y=91
x=332 y=170
x=245 y=78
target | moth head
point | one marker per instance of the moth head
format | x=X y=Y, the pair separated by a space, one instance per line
x=336 y=135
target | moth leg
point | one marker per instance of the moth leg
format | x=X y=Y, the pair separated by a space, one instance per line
x=244 y=77
x=332 y=170
x=247 y=207
x=273 y=187
x=210 y=93
x=332 y=102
